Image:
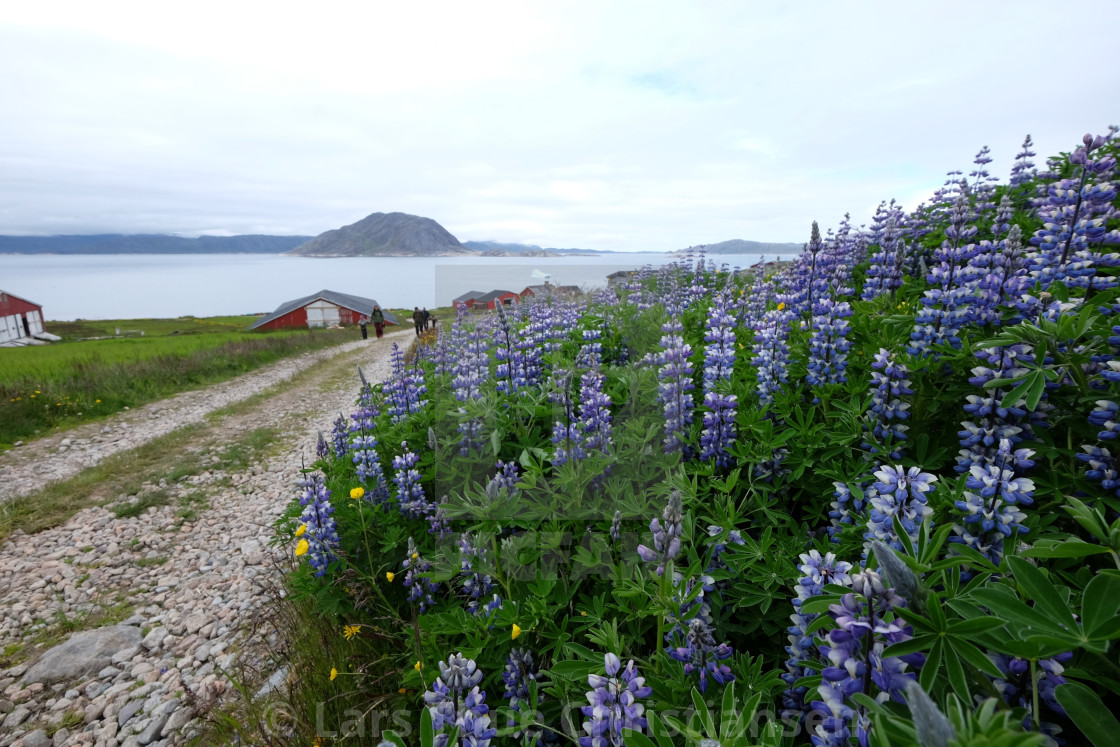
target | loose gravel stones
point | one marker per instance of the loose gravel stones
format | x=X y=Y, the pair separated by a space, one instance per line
x=184 y=588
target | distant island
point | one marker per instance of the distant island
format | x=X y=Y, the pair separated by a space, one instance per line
x=739 y=246
x=376 y=235
x=148 y=244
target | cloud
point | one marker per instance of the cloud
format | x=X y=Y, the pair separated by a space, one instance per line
x=619 y=126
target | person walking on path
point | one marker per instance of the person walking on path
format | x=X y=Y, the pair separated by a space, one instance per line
x=427 y=318
x=418 y=319
x=378 y=319
x=363 y=320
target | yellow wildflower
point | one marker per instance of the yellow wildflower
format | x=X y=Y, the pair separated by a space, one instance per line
x=781 y=305
x=301 y=530
x=349 y=631
x=415 y=555
x=403 y=691
x=357 y=492
x=417 y=666
x=301 y=548
x=583 y=613
x=334 y=673
x=97 y=402
x=516 y=631
x=389 y=576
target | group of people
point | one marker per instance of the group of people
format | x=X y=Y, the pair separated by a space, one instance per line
x=377 y=317
x=422 y=318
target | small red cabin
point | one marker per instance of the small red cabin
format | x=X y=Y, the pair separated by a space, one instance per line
x=323 y=309
x=493 y=298
x=20 y=319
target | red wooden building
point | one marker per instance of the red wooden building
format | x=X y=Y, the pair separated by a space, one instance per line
x=323 y=309
x=493 y=298
x=20 y=319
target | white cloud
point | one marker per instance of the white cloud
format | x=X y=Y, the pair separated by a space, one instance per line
x=613 y=125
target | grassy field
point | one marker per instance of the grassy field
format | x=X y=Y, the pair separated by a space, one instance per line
x=84 y=329
x=59 y=385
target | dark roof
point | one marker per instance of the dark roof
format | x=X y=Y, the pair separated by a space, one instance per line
x=467 y=297
x=494 y=294
x=345 y=300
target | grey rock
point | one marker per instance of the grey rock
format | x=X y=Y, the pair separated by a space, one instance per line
x=125 y=655
x=108 y=673
x=7 y=706
x=37 y=738
x=131 y=708
x=16 y=717
x=154 y=728
x=83 y=654
x=178 y=720
x=154 y=638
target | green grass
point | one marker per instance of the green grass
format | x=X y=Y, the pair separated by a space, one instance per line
x=81 y=329
x=149 y=562
x=146 y=501
x=61 y=385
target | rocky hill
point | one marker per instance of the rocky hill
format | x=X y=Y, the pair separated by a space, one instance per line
x=385 y=235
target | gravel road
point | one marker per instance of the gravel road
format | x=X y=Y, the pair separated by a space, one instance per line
x=189 y=586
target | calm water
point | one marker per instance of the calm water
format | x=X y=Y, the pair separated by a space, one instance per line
x=131 y=286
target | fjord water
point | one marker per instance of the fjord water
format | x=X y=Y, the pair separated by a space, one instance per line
x=136 y=286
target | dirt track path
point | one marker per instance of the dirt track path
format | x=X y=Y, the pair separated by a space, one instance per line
x=187 y=573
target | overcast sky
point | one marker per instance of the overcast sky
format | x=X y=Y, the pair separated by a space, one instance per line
x=611 y=125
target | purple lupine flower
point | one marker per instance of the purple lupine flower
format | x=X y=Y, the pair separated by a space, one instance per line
x=420 y=589
x=1102 y=467
x=594 y=411
x=614 y=704
x=829 y=345
x=363 y=449
x=476 y=584
x=980 y=438
x=1104 y=416
x=518 y=673
x=701 y=654
x=884 y=275
x=318 y=516
x=567 y=434
x=438 y=522
x=340 y=436
x=983 y=188
x=667 y=537
x=591 y=352
x=817 y=572
x=1016 y=689
x=405 y=387
x=900 y=492
x=510 y=371
x=1023 y=169
x=771 y=353
x=322 y=448
x=410 y=494
x=616 y=527
x=945 y=307
x=471 y=371
x=849 y=509
x=719 y=361
x=675 y=387
x=364 y=418
x=1075 y=216
x=853 y=651
x=507 y=477
x=888 y=408
x=992 y=496
x=456 y=701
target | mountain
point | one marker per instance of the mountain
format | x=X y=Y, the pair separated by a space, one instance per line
x=384 y=235
x=740 y=246
x=148 y=244
x=504 y=249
